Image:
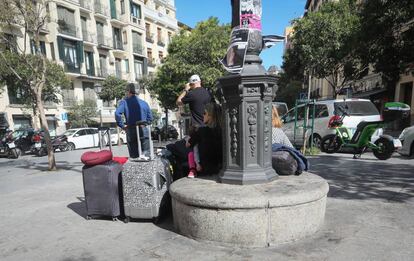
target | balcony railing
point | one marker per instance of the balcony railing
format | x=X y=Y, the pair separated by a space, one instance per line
x=149 y=38
x=102 y=72
x=104 y=41
x=151 y=62
x=88 y=37
x=101 y=8
x=118 y=45
x=86 y=4
x=72 y=67
x=68 y=29
x=161 y=42
x=135 y=20
x=137 y=48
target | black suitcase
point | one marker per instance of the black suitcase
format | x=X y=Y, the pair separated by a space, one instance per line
x=102 y=185
x=145 y=185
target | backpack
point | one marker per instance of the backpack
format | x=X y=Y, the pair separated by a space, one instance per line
x=284 y=163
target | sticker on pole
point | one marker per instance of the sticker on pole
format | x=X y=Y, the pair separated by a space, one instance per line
x=251 y=14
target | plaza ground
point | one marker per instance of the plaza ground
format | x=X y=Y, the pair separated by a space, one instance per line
x=369 y=216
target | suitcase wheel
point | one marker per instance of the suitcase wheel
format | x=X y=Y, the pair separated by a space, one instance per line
x=88 y=217
x=114 y=219
x=126 y=220
x=156 y=220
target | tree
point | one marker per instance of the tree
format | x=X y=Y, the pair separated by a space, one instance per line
x=34 y=75
x=113 y=88
x=326 y=40
x=386 y=36
x=197 y=52
x=155 y=116
x=80 y=114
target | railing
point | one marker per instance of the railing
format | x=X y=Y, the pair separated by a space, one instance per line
x=149 y=38
x=68 y=29
x=72 y=67
x=102 y=72
x=118 y=45
x=88 y=37
x=100 y=8
x=135 y=20
x=151 y=62
x=104 y=41
x=86 y=4
x=161 y=42
x=137 y=48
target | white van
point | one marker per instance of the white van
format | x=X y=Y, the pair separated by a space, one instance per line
x=358 y=110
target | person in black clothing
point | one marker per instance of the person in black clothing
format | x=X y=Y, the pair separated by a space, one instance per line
x=197 y=97
x=208 y=140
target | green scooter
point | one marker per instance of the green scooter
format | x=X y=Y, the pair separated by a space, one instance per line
x=383 y=148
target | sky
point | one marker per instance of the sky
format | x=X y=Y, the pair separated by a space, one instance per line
x=276 y=16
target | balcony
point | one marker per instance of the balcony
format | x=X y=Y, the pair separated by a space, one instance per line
x=161 y=42
x=104 y=42
x=102 y=72
x=67 y=29
x=160 y=17
x=101 y=9
x=137 y=49
x=118 y=45
x=151 y=62
x=71 y=67
x=88 y=37
x=136 y=21
x=86 y=4
x=149 y=38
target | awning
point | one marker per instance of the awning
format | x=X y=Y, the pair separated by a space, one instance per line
x=368 y=93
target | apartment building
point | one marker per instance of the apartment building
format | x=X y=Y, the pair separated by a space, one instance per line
x=93 y=39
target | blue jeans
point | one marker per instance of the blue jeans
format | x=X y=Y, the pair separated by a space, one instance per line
x=132 y=141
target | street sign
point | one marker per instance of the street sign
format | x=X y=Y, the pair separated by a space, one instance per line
x=64 y=117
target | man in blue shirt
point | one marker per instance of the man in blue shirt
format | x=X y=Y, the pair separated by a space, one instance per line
x=134 y=109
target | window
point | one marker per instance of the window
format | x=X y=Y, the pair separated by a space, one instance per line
x=66 y=20
x=102 y=64
x=147 y=29
x=321 y=111
x=8 y=42
x=88 y=91
x=126 y=65
x=71 y=57
x=136 y=10
x=122 y=7
x=159 y=35
x=81 y=133
x=149 y=53
x=90 y=70
x=137 y=42
x=124 y=37
x=42 y=47
x=139 y=68
x=118 y=68
x=117 y=38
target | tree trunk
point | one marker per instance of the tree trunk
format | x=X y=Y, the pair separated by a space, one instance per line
x=43 y=122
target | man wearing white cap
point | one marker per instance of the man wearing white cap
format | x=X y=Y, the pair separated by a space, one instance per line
x=197 y=97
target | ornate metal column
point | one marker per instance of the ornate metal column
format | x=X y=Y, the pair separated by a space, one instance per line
x=247 y=108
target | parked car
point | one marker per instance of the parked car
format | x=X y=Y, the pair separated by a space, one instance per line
x=281 y=108
x=114 y=136
x=82 y=138
x=172 y=133
x=407 y=139
x=358 y=110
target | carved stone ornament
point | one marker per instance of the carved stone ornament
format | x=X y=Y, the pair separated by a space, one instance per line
x=252 y=121
x=233 y=132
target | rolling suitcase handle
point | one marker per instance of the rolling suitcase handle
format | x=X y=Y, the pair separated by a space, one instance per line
x=101 y=133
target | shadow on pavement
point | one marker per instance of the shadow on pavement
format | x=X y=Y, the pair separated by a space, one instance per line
x=43 y=166
x=365 y=179
x=79 y=207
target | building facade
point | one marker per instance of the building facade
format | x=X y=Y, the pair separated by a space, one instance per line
x=93 y=39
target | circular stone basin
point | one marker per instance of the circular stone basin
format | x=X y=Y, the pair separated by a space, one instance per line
x=281 y=211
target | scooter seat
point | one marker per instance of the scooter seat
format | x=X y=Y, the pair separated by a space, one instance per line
x=360 y=128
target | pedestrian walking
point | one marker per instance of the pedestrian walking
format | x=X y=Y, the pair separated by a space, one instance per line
x=134 y=109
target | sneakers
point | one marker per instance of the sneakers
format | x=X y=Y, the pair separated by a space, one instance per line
x=192 y=174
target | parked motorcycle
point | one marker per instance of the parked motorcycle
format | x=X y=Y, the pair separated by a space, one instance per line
x=39 y=147
x=8 y=147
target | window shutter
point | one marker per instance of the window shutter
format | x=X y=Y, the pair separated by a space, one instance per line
x=145 y=67
x=61 y=48
x=79 y=51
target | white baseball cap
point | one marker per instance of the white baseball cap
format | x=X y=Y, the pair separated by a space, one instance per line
x=194 y=78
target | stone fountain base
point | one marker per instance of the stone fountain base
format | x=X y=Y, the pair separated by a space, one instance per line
x=285 y=210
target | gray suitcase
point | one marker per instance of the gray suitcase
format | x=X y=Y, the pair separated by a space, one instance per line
x=102 y=185
x=145 y=185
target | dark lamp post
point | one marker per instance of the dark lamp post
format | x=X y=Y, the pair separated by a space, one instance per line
x=247 y=108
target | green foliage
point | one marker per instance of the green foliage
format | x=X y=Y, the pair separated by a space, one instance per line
x=197 y=52
x=387 y=36
x=113 y=88
x=155 y=117
x=80 y=115
x=312 y=151
x=325 y=41
x=288 y=90
x=30 y=69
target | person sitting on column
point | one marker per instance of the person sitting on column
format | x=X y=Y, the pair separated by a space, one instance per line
x=134 y=109
x=207 y=160
x=278 y=136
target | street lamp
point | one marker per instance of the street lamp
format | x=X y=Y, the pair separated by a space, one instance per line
x=98 y=90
